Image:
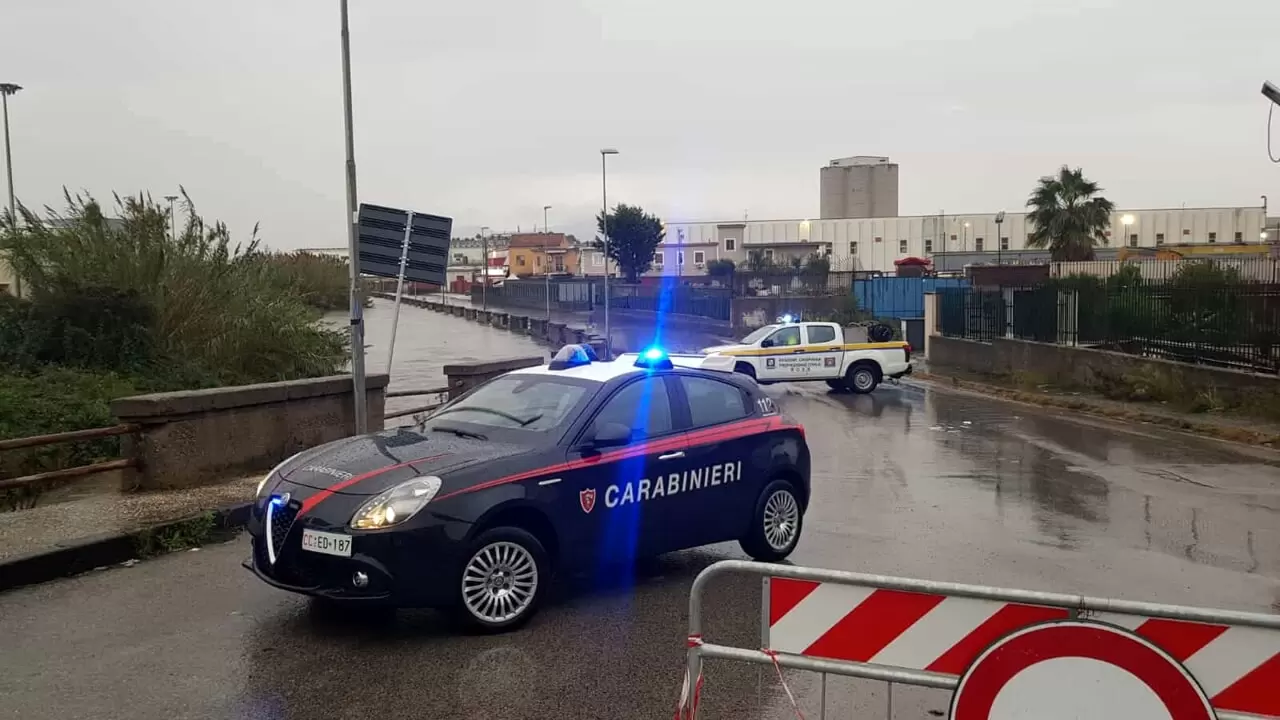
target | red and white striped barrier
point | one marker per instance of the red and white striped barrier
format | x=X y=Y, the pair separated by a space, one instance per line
x=1237 y=666
x=1003 y=653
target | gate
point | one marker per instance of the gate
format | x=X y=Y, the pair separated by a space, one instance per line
x=1200 y=662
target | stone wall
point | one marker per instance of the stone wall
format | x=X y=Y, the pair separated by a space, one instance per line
x=199 y=436
x=1113 y=374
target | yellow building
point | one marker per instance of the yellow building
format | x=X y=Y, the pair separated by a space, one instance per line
x=536 y=254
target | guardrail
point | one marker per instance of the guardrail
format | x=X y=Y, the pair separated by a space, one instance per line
x=441 y=393
x=71 y=472
x=950 y=636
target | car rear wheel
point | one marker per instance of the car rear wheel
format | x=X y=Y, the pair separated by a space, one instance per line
x=862 y=378
x=776 y=525
x=502 y=580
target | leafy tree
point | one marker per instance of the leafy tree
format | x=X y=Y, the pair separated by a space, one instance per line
x=633 y=237
x=817 y=264
x=758 y=262
x=720 y=268
x=1069 y=216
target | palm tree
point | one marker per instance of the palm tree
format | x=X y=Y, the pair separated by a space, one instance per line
x=1069 y=216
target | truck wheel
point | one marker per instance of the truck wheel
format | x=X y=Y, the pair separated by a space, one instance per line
x=776 y=524
x=745 y=369
x=837 y=385
x=862 y=378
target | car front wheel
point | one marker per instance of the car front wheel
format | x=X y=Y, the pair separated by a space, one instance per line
x=775 y=528
x=502 y=581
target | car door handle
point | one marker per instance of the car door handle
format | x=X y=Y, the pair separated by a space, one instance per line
x=672 y=456
x=796 y=352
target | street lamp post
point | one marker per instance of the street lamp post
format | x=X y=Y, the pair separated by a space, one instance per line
x=1127 y=221
x=353 y=235
x=484 y=267
x=604 y=202
x=173 y=225
x=999 y=238
x=546 y=257
x=7 y=89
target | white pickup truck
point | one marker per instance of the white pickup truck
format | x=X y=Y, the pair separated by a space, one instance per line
x=804 y=351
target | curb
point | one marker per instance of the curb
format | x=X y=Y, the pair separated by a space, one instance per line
x=106 y=549
x=1243 y=436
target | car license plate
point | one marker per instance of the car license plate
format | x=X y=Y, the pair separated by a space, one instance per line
x=326 y=543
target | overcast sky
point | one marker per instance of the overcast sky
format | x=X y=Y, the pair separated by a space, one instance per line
x=486 y=110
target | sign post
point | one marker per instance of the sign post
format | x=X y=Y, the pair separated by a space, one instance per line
x=404 y=245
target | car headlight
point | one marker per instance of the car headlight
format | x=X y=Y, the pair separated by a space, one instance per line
x=396 y=505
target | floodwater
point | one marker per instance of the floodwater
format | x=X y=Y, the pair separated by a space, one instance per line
x=906 y=482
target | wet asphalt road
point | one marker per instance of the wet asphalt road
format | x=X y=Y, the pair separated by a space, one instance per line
x=906 y=482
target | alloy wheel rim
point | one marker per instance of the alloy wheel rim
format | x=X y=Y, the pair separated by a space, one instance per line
x=781 y=519
x=500 y=582
x=862 y=379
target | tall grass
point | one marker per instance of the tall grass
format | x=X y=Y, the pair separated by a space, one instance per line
x=218 y=312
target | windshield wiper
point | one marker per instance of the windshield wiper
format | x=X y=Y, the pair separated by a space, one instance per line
x=535 y=418
x=460 y=433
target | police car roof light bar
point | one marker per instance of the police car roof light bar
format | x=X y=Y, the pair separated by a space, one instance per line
x=571 y=356
x=654 y=358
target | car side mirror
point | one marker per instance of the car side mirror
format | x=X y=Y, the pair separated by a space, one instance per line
x=768 y=342
x=610 y=435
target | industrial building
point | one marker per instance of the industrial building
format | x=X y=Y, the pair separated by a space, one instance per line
x=862 y=186
x=873 y=244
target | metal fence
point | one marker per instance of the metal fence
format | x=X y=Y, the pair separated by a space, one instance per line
x=1235 y=326
x=1261 y=269
x=791 y=283
x=938 y=634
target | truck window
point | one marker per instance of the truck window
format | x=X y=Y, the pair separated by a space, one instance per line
x=786 y=336
x=821 y=333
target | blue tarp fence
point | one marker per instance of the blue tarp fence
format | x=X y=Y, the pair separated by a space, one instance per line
x=899 y=297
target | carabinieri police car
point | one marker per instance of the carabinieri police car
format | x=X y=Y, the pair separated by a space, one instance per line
x=565 y=466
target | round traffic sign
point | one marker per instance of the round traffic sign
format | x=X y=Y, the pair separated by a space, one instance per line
x=1074 y=669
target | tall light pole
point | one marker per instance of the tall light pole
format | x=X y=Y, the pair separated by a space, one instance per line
x=546 y=257
x=1127 y=221
x=7 y=89
x=484 y=267
x=604 y=217
x=173 y=224
x=999 y=238
x=353 y=235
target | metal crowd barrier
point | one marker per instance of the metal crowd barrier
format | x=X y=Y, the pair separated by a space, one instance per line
x=950 y=636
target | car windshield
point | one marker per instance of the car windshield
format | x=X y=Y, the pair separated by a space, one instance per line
x=759 y=335
x=528 y=402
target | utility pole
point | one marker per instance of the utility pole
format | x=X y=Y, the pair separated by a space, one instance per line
x=604 y=219
x=353 y=237
x=7 y=89
x=999 y=238
x=546 y=257
x=484 y=271
x=173 y=223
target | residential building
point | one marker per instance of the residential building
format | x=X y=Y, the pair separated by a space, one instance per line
x=535 y=254
x=8 y=281
x=862 y=186
x=872 y=244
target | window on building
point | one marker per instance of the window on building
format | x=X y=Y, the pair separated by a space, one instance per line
x=459 y=257
x=657 y=259
x=853 y=248
x=1004 y=243
x=928 y=245
x=1213 y=237
x=902 y=246
x=1133 y=240
x=879 y=239
x=979 y=244
x=1159 y=238
x=712 y=402
x=953 y=238
x=520 y=260
x=680 y=257
x=768 y=254
x=1186 y=231
x=730 y=243
x=597 y=260
x=699 y=257
x=1239 y=237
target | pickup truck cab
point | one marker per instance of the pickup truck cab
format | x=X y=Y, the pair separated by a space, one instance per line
x=807 y=351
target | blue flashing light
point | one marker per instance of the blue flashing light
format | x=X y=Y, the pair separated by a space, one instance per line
x=788 y=318
x=277 y=501
x=654 y=358
x=571 y=356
